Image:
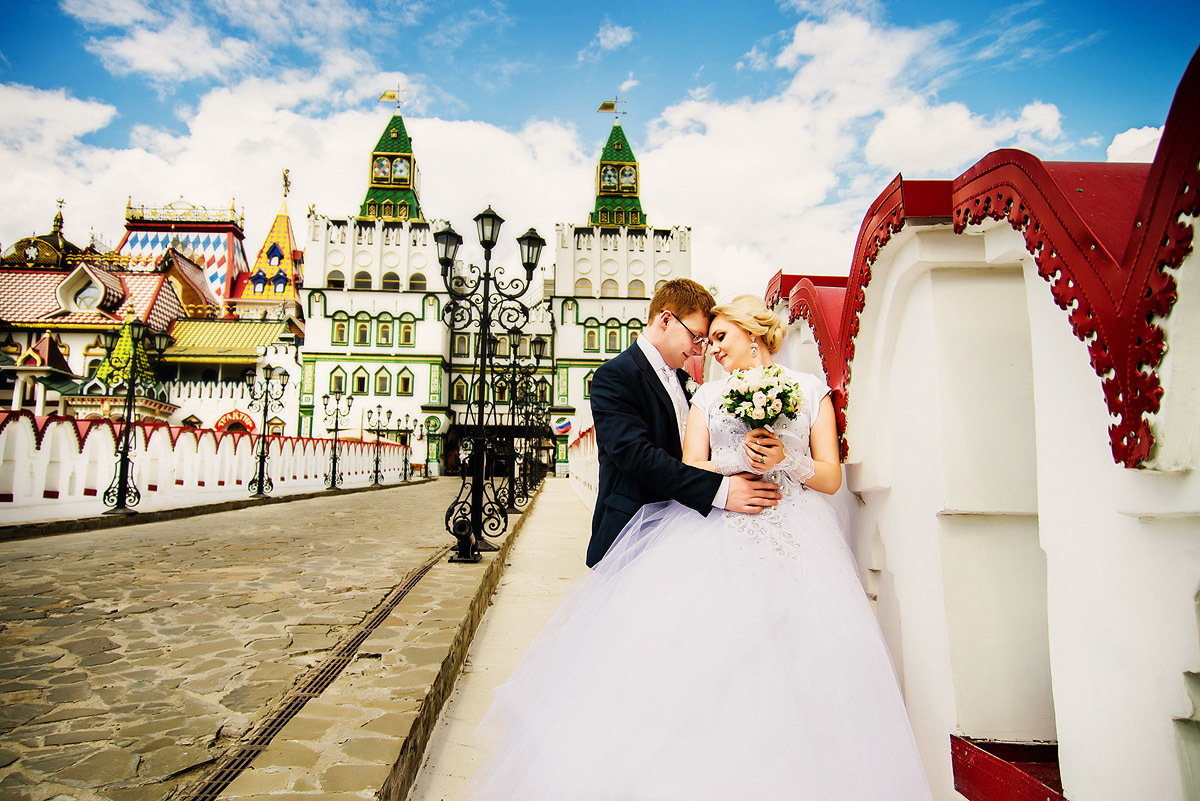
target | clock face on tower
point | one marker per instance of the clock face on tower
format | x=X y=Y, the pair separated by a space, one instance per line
x=628 y=179
x=608 y=177
x=401 y=169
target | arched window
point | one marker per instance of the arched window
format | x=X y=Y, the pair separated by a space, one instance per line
x=608 y=289
x=591 y=336
x=407 y=333
x=383 y=382
x=362 y=280
x=416 y=282
x=635 y=330
x=583 y=288
x=362 y=332
x=383 y=333
x=335 y=280
x=462 y=345
x=341 y=328
x=659 y=285
x=637 y=289
x=587 y=384
x=391 y=282
x=612 y=339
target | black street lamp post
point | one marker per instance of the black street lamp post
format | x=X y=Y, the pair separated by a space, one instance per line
x=123 y=492
x=377 y=428
x=476 y=513
x=404 y=433
x=334 y=411
x=261 y=392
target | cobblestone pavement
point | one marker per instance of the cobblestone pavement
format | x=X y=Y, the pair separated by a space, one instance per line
x=131 y=658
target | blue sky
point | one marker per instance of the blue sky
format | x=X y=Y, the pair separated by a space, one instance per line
x=766 y=127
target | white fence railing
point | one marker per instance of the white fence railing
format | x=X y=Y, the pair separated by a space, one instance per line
x=585 y=466
x=59 y=467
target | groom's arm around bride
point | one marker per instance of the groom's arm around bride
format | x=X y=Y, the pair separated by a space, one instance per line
x=638 y=416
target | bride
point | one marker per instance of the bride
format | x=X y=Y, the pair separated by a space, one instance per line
x=718 y=657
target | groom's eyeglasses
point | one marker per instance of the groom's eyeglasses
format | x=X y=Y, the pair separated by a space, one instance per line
x=696 y=338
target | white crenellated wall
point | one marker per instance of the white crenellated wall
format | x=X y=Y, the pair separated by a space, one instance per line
x=59 y=467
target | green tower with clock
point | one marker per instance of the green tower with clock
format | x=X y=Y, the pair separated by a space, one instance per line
x=394 y=185
x=617 y=179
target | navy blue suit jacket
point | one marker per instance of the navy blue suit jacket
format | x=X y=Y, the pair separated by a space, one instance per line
x=637 y=436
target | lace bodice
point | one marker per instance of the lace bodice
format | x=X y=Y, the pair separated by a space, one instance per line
x=726 y=433
x=726 y=436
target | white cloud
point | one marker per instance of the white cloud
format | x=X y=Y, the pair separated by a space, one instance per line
x=110 y=13
x=628 y=83
x=1136 y=144
x=755 y=60
x=610 y=37
x=921 y=139
x=181 y=50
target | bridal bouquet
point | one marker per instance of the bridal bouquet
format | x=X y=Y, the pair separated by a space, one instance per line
x=761 y=395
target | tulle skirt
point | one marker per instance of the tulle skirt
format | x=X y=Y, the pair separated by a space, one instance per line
x=717 y=657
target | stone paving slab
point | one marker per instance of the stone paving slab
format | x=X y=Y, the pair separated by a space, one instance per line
x=365 y=737
x=131 y=658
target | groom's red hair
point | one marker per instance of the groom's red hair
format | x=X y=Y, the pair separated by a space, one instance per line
x=681 y=296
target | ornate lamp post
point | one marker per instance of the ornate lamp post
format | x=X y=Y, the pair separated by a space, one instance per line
x=335 y=412
x=126 y=360
x=377 y=428
x=476 y=513
x=261 y=392
x=404 y=432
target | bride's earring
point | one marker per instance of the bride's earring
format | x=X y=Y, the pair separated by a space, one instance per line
x=753 y=349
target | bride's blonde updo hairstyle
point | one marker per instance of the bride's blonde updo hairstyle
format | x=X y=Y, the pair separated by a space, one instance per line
x=752 y=315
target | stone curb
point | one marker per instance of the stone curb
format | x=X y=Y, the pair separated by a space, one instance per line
x=50 y=528
x=365 y=736
x=404 y=772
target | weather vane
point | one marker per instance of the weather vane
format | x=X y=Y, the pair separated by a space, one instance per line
x=287 y=182
x=611 y=106
x=394 y=95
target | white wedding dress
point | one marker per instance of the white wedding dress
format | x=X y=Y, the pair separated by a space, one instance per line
x=725 y=658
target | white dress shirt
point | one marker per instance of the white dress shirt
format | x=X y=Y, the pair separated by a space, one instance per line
x=670 y=382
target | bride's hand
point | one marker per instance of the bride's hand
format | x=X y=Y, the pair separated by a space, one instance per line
x=763 y=449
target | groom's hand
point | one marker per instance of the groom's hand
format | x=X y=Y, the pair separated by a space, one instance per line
x=750 y=494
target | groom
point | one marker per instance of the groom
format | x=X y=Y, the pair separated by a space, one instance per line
x=640 y=405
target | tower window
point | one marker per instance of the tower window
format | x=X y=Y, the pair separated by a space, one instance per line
x=384 y=335
x=362 y=333
x=340 y=332
x=362 y=280
x=637 y=289
x=416 y=282
x=335 y=280
x=391 y=282
x=583 y=288
x=406 y=333
x=609 y=288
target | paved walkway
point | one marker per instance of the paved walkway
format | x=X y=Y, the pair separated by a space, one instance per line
x=546 y=561
x=131 y=658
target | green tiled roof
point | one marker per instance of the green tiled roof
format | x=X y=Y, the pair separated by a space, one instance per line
x=617 y=148
x=395 y=138
x=631 y=215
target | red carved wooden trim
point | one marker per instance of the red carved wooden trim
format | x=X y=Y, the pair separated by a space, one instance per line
x=983 y=776
x=1106 y=259
x=886 y=216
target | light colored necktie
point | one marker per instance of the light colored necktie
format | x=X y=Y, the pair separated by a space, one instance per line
x=678 y=399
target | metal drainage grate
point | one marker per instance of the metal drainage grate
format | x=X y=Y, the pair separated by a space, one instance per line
x=314 y=682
